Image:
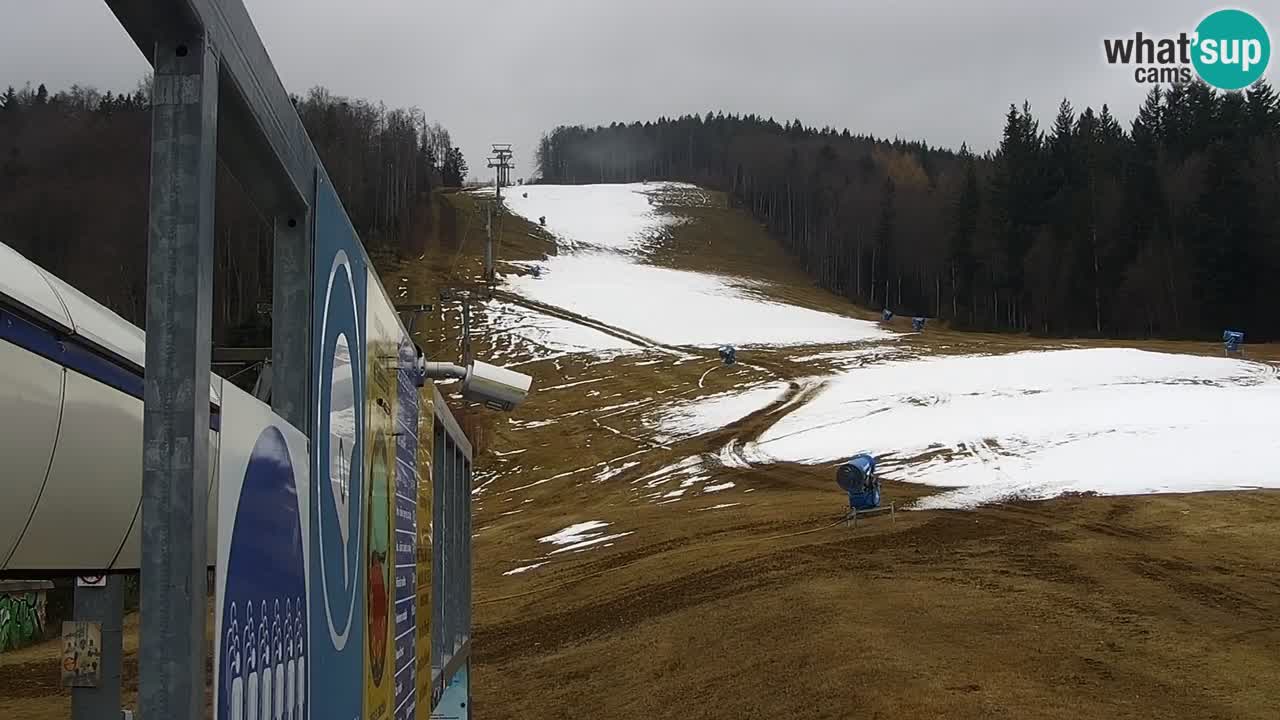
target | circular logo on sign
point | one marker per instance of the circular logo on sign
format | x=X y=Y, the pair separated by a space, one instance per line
x=1232 y=49
x=338 y=448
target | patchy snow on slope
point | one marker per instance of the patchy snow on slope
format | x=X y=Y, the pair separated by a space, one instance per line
x=717 y=488
x=862 y=354
x=611 y=472
x=688 y=467
x=1035 y=425
x=513 y=331
x=524 y=568
x=580 y=536
x=574 y=533
x=604 y=232
x=694 y=417
x=579 y=547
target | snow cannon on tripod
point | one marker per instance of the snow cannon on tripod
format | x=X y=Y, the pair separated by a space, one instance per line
x=728 y=355
x=857 y=477
x=1232 y=340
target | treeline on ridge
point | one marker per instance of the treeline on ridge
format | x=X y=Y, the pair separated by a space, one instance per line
x=1169 y=228
x=74 y=190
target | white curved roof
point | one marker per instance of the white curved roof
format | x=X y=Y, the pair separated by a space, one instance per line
x=46 y=296
x=24 y=284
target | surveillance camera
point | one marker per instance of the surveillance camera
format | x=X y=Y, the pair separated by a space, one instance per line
x=498 y=388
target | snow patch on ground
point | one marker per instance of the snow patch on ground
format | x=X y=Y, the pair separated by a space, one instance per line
x=717 y=488
x=1039 y=424
x=524 y=568
x=580 y=536
x=611 y=472
x=695 y=417
x=574 y=533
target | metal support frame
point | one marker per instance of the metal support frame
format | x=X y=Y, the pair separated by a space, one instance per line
x=291 y=319
x=223 y=99
x=451 y=559
x=855 y=513
x=103 y=605
x=175 y=426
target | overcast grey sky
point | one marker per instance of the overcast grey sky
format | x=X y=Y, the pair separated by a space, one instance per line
x=508 y=70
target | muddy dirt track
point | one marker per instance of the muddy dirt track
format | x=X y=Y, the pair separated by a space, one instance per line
x=1081 y=607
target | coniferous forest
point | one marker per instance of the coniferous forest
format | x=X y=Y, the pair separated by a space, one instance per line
x=74 y=189
x=1167 y=228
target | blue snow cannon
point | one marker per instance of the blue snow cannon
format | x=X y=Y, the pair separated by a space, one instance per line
x=728 y=355
x=917 y=324
x=886 y=315
x=1232 y=339
x=858 y=478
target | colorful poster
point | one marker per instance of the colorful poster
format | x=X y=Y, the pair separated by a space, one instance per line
x=422 y=549
x=406 y=532
x=338 y=515
x=263 y=500
x=382 y=347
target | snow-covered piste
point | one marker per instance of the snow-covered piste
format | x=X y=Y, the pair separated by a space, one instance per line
x=605 y=233
x=1035 y=425
x=985 y=428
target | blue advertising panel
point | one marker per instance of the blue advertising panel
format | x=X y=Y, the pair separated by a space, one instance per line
x=406 y=534
x=455 y=702
x=336 y=591
x=262 y=644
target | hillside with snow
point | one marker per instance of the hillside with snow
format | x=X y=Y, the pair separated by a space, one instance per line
x=1077 y=526
x=1022 y=425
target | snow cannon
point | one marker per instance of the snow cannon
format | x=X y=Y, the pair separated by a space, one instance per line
x=886 y=315
x=1232 y=340
x=858 y=478
x=542 y=221
x=917 y=324
x=728 y=355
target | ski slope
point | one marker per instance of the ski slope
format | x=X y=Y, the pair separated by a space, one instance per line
x=604 y=234
x=984 y=428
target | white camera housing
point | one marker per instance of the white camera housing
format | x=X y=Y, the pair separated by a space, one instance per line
x=498 y=388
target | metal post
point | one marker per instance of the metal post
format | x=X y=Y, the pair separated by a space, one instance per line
x=466 y=331
x=103 y=605
x=175 y=427
x=488 y=246
x=291 y=320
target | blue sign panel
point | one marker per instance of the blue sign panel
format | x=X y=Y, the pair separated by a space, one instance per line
x=336 y=596
x=262 y=658
x=406 y=534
